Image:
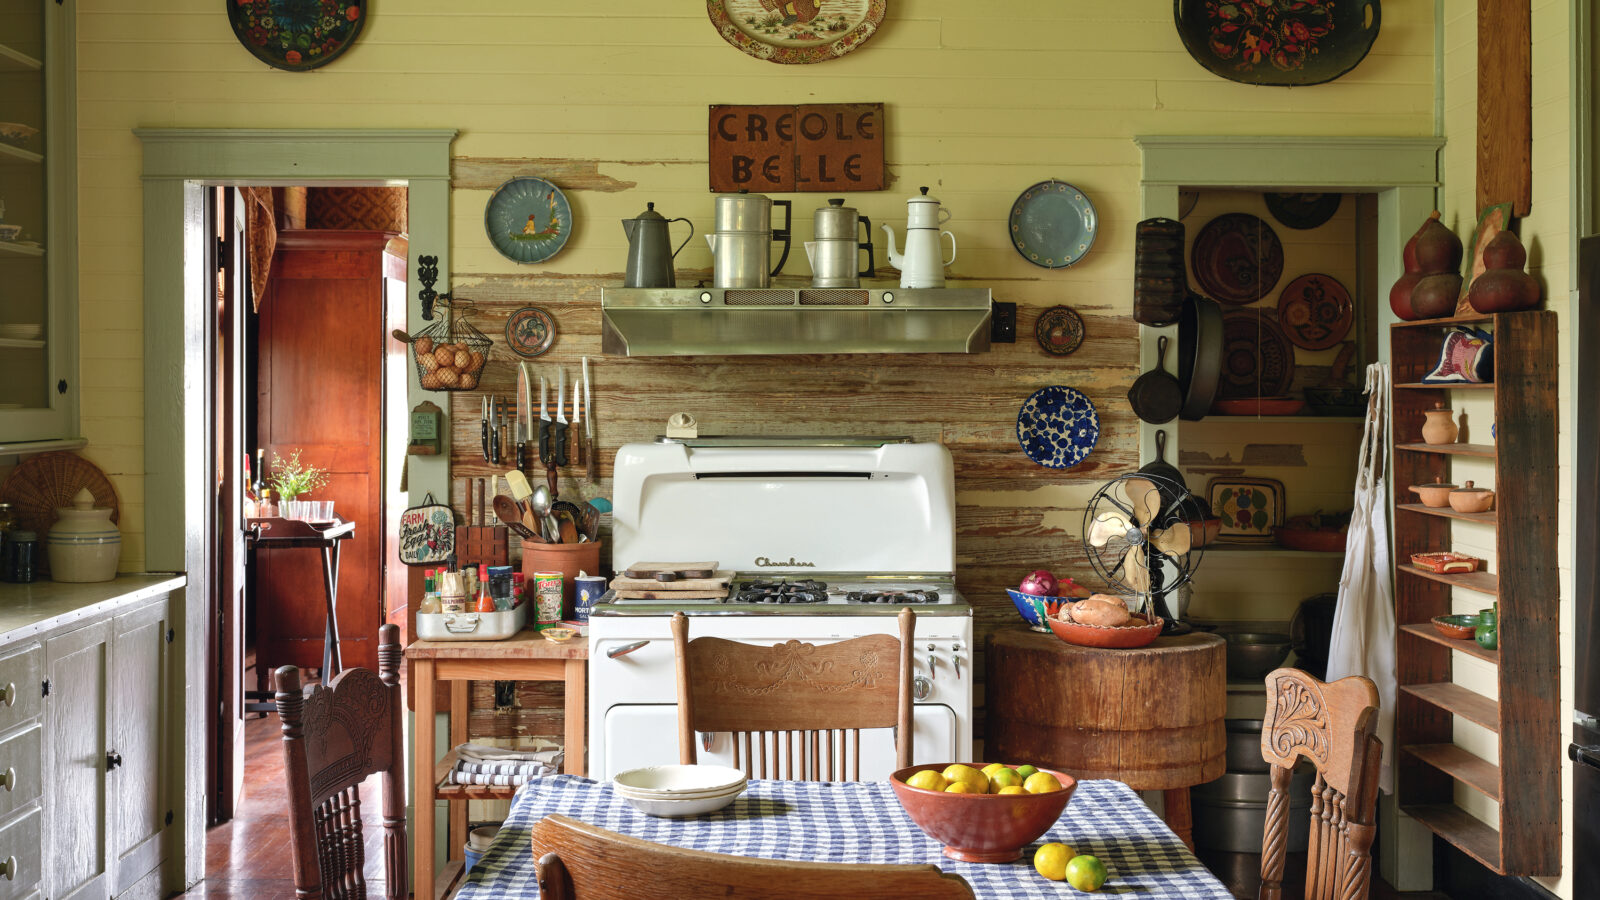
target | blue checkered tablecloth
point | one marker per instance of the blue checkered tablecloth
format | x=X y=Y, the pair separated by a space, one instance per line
x=854 y=822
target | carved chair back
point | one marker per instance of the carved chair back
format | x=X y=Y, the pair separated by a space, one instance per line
x=795 y=710
x=577 y=861
x=1331 y=726
x=334 y=736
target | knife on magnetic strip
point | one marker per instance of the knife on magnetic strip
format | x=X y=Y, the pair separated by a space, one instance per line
x=524 y=403
x=589 y=462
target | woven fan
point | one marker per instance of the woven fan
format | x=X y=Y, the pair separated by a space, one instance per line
x=40 y=484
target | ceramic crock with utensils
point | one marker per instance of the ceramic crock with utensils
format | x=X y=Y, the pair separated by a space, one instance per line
x=741 y=245
x=835 y=250
x=650 y=251
x=922 y=265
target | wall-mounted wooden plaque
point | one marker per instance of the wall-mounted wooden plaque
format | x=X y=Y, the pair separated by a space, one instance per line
x=822 y=147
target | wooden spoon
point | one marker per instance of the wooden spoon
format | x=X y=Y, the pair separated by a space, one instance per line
x=510 y=515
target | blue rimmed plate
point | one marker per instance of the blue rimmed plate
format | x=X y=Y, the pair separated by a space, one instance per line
x=528 y=220
x=1053 y=224
x=1057 y=427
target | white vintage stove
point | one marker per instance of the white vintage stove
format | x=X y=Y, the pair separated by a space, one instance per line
x=830 y=537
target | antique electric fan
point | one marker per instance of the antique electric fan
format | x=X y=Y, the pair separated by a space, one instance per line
x=1137 y=537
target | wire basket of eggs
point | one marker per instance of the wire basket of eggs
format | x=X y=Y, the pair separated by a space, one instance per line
x=450 y=353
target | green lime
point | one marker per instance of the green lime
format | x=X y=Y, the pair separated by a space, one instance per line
x=1086 y=873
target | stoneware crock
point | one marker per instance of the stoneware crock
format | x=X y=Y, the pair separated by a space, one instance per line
x=83 y=543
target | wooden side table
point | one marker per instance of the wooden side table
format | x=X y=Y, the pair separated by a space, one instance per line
x=1150 y=717
x=284 y=534
x=523 y=657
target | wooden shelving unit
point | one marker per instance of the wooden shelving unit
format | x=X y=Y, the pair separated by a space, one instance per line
x=1525 y=782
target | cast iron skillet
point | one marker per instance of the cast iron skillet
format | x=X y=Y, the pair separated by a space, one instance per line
x=1156 y=396
x=1199 y=355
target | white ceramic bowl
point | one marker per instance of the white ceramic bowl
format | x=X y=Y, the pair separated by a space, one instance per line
x=678 y=795
x=679 y=808
x=669 y=781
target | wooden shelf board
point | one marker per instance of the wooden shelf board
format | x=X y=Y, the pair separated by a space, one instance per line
x=19 y=153
x=1266 y=550
x=1457 y=700
x=1473 y=771
x=1309 y=419
x=1429 y=633
x=1482 y=582
x=1475 y=318
x=14 y=248
x=20 y=344
x=1475 y=838
x=444 y=790
x=1487 y=518
x=1486 y=450
x=1458 y=386
x=13 y=60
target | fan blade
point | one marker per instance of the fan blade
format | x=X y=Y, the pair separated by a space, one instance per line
x=1174 y=541
x=1107 y=526
x=1138 y=576
x=1146 y=499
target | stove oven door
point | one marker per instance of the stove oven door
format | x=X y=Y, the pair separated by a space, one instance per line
x=641 y=734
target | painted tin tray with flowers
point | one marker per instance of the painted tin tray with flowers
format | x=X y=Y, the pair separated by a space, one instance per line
x=791 y=32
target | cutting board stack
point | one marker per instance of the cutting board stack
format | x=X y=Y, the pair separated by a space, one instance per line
x=672 y=581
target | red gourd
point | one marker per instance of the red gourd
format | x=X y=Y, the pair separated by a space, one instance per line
x=1436 y=295
x=1438 y=248
x=1400 y=295
x=1503 y=286
x=1431 y=258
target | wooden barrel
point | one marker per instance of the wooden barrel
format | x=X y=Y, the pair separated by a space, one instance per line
x=1150 y=717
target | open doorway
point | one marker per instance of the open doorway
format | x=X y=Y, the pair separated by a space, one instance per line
x=310 y=281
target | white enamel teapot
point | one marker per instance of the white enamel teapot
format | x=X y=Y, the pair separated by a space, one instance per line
x=922 y=265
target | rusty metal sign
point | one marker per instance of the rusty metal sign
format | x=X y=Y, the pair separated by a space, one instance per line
x=821 y=147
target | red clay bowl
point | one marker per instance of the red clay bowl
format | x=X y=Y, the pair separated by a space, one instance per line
x=1125 y=637
x=981 y=828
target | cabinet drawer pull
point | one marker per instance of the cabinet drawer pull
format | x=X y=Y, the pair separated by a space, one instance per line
x=9 y=868
x=9 y=779
x=9 y=695
x=113 y=760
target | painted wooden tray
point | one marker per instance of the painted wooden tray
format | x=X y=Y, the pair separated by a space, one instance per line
x=1250 y=508
x=297 y=35
x=1278 y=43
x=790 y=32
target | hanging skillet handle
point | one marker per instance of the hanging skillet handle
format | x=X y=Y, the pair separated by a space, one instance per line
x=782 y=234
x=685 y=240
x=872 y=265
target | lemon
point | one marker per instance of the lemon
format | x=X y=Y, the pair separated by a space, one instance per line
x=928 y=780
x=1025 y=771
x=1041 y=783
x=959 y=787
x=992 y=768
x=1086 y=873
x=1003 y=779
x=977 y=781
x=1012 y=789
x=1053 y=860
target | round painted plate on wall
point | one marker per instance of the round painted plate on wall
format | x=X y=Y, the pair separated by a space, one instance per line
x=1315 y=311
x=1057 y=427
x=297 y=34
x=530 y=331
x=1059 y=330
x=1302 y=211
x=1053 y=224
x=791 y=32
x=1237 y=258
x=1257 y=360
x=528 y=220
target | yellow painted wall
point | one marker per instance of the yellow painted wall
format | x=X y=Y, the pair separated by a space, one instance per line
x=1546 y=232
x=983 y=100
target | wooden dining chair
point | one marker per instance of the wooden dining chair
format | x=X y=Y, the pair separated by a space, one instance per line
x=797 y=708
x=334 y=736
x=577 y=861
x=1331 y=726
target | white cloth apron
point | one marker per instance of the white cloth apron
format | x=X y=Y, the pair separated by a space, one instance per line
x=1363 y=622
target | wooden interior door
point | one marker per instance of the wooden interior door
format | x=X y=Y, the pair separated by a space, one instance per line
x=321 y=349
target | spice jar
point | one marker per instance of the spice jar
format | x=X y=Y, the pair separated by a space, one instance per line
x=21 y=557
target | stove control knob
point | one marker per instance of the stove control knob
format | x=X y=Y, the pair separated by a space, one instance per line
x=921 y=687
x=705 y=296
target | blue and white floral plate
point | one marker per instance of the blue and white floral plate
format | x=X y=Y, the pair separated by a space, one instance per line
x=1057 y=427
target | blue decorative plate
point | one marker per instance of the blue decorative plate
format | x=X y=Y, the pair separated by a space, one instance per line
x=1057 y=427
x=528 y=220
x=1053 y=224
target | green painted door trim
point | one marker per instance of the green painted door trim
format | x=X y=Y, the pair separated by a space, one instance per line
x=178 y=165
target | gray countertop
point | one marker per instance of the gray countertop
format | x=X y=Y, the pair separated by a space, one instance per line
x=28 y=610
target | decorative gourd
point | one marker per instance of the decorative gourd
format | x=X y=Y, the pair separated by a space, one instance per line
x=1503 y=286
x=1400 y=295
x=1438 y=248
x=1432 y=254
x=1436 y=295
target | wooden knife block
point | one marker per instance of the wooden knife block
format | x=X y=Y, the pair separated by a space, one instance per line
x=485 y=544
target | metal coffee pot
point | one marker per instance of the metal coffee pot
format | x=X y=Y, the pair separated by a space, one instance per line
x=741 y=246
x=922 y=265
x=836 y=251
x=650 y=252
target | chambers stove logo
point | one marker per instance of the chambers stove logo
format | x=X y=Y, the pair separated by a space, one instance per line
x=791 y=562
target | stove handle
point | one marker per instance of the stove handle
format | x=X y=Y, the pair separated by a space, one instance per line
x=625 y=649
x=955 y=657
x=921 y=687
x=707 y=738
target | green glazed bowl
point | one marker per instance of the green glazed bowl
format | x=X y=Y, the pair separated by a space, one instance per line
x=1458 y=627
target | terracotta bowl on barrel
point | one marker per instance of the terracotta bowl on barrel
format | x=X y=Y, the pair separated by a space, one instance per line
x=1125 y=637
x=981 y=828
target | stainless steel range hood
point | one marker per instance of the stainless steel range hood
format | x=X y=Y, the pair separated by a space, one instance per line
x=777 y=321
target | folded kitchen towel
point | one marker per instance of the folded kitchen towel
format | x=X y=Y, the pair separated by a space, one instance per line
x=500 y=766
x=541 y=752
x=510 y=768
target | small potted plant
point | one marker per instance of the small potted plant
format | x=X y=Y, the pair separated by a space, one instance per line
x=292 y=478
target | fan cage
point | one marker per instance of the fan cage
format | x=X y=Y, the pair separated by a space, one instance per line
x=450 y=354
x=1178 y=509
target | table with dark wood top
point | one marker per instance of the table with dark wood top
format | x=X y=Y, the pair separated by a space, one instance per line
x=1150 y=717
x=524 y=656
x=282 y=534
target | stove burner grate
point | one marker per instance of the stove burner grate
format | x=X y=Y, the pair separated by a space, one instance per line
x=909 y=597
x=807 y=591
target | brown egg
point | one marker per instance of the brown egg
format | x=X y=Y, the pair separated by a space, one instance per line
x=463 y=360
x=430 y=380
x=445 y=356
x=449 y=377
x=469 y=380
x=428 y=363
x=475 y=364
x=422 y=345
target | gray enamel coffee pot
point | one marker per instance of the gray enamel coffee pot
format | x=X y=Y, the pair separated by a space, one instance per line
x=650 y=252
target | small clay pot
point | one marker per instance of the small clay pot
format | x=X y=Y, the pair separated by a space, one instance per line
x=1469 y=499
x=1436 y=295
x=1436 y=495
x=1439 y=425
x=1400 y=295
